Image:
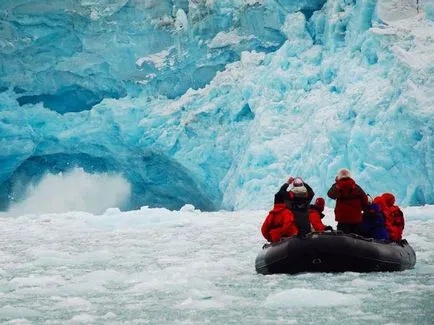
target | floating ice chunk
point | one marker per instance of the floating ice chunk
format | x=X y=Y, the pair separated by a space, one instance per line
x=109 y=315
x=37 y=281
x=19 y=321
x=81 y=319
x=301 y=297
x=188 y=208
x=201 y=304
x=74 y=303
x=9 y=311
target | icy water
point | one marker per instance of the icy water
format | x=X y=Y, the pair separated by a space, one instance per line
x=156 y=266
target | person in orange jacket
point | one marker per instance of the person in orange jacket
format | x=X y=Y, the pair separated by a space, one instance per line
x=315 y=215
x=351 y=200
x=394 y=218
x=280 y=221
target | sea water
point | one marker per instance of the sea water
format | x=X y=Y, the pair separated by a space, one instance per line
x=155 y=266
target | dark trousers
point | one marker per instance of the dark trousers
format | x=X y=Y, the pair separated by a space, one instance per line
x=301 y=218
x=348 y=228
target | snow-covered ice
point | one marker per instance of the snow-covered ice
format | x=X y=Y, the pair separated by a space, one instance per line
x=155 y=266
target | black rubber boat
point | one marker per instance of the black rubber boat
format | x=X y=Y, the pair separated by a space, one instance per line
x=334 y=252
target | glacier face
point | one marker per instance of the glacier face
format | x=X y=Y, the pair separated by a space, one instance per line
x=215 y=103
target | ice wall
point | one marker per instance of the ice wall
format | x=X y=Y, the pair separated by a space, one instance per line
x=277 y=88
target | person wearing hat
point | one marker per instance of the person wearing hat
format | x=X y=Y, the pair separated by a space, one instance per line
x=316 y=214
x=298 y=199
x=279 y=222
x=351 y=200
x=393 y=216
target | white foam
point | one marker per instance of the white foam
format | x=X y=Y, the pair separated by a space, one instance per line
x=19 y=321
x=9 y=311
x=81 y=319
x=37 y=281
x=75 y=190
x=302 y=297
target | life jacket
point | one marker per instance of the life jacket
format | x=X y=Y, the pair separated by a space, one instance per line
x=279 y=223
x=315 y=216
x=394 y=218
x=395 y=223
x=317 y=209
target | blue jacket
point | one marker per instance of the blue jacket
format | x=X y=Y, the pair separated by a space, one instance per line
x=372 y=225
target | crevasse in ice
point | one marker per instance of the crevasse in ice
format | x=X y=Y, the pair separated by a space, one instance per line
x=216 y=103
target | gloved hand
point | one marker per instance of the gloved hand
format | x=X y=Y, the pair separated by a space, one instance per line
x=290 y=179
x=328 y=228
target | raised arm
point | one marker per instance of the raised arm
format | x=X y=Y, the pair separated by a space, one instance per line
x=309 y=191
x=281 y=195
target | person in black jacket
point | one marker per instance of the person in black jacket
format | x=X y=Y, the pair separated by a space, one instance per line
x=298 y=201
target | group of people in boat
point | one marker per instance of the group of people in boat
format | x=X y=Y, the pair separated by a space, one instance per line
x=355 y=211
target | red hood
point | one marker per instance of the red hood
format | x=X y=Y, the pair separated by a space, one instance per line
x=381 y=202
x=320 y=203
x=389 y=198
x=345 y=183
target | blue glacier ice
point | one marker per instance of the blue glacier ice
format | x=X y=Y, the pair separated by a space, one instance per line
x=216 y=103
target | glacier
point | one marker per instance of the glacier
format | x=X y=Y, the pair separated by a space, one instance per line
x=215 y=103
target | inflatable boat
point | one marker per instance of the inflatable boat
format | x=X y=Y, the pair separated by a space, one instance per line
x=334 y=251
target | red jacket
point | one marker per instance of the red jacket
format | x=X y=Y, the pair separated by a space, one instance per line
x=315 y=219
x=279 y=223
x=394 y=218
x=350 y=201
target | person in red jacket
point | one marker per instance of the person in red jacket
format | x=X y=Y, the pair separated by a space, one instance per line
x=351 y=200
x=280 y=221
x=394 y=218
x=315 y=215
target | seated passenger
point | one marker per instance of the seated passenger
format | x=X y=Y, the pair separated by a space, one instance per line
x=351 y=200
x=298 y=200
x=394 y=218
x=315 y=215
x=280 y=221
x=372 y=225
